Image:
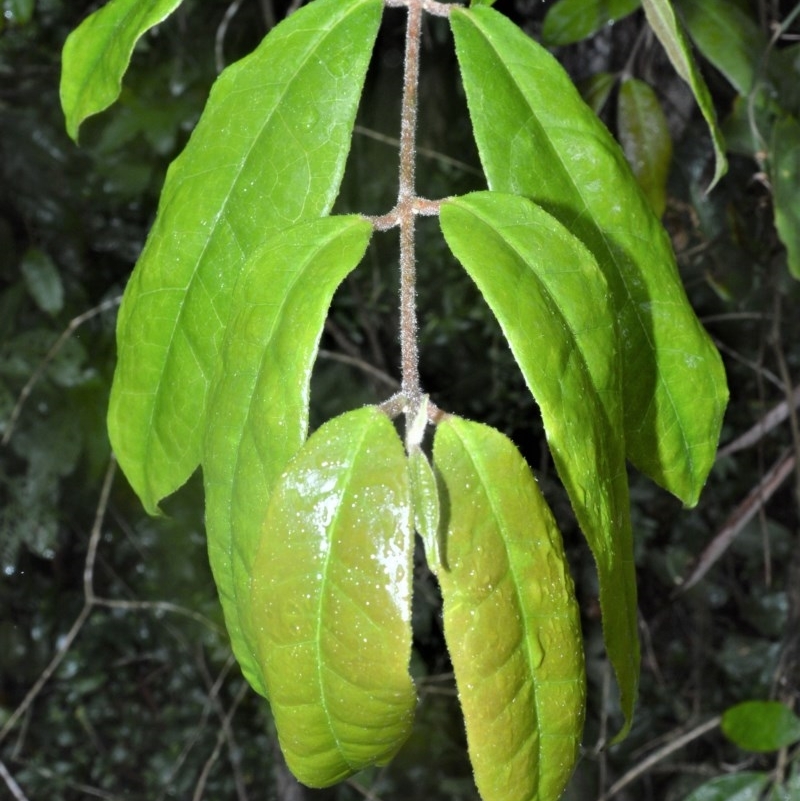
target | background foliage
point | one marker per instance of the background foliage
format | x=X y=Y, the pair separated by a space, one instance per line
x=146 y=703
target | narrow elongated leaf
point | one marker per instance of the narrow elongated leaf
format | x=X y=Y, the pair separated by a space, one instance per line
x=569 y=21
x=730 y=39
x=784 y=172
x=258 y=407
x=510 y=617
x=268 y=151
x=332 y=597
x=674 y=385
x=644 y=135
x=425 y=501
x=97 y=53
x=669 y=31
x=761 y=726
x=553 y=305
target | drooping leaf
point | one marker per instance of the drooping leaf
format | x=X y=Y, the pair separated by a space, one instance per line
x=669 y=31
x=553 y=305
x=332 y=598
x=744 y=786
x=569 y=21
x=268 y=151
x=511 y=621
x=425 y=502
x=97 y=54
x=644 y=135
x=730 y=39
x=674 y=384
x=258 y=405
x=43 y=281
x=761 y=725
x=784 y=173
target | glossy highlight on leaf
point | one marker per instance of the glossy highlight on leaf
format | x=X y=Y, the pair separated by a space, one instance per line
x=553 y=305
x=644 y=135
x=97 y=54
x=331 y=599
x=269 y=151
x=511 y=620
x=258 y=405
x=673 y=381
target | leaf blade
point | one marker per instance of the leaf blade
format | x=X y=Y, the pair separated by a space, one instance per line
x=644 y=135
x=97 y=53
x=784 y=171
x=661 y=16
x=528 y=267
x=258 y=405
x=511 y=621
x=223 y=196
x=569 y=21
x=333 y=589
x=761 y=726
x=572 y=171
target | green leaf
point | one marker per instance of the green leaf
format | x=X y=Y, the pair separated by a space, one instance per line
x=644 y=135
x=784 y=173
x=666 y=27
x=727 y=36
x=258 y=406
x=745 y=786
x=596 y=89
x=267 y=153
x=425 y=502
x=552 y=303
x=511 y=621
x=97 y=54
x=332 y=594
x=761 y=725
x=673 y=383
x=43 y=281
x=569 y=21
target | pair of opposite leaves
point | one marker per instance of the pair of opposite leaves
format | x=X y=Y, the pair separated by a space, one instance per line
x=331 y=591
x=214 y=366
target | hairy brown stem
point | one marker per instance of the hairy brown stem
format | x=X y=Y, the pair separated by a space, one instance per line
x=405 y=208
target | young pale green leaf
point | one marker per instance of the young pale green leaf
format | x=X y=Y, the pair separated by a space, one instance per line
x=784 y=172
x=569 y=21
x=674 y=384
x=553 y=305
x=425 y=502
x=761 y=726
x=331 y=598
x=97 y=53
x=511 y=621
x=661 y=16
x=644 y=135
x=269 y=151
x=258 y=405
x=727 y=36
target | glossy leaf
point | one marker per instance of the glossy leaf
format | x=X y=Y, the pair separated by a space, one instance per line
x=97 y=54
x=673 y=383
x=644 y=135
x=268 y=151
x=784 y=172
x=332 y=598
x=569 y=21
x=511 y=621
x=665 y=25
x=553 y=305
x=258 y=407
x=727 y=36
x=744 y=786
x=761 y=726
